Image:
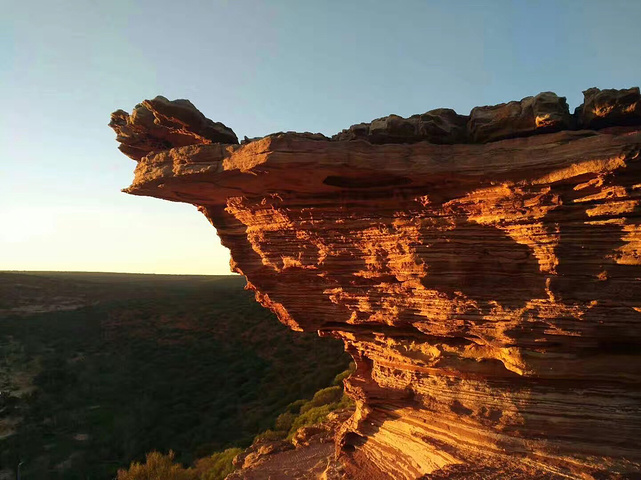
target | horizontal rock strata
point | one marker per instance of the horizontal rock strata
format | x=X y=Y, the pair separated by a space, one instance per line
x=489 y=290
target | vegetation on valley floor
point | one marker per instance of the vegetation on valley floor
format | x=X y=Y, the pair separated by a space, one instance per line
x=146 y=363
x=298 y=414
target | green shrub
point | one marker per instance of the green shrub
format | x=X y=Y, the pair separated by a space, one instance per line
x=323 y=397
x=284 y=421
x=310 y=417
x=270 y=436
x=218 y=465
x=315 y=411
x=157 y=466
x=294 y=407
x=338 y=380
x=162 y=467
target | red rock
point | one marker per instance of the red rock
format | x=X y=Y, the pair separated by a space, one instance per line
x=606 y=108
x=160 y=124
x=442 y=126
x=544 y=113
x=490 y=294
x=309 y=455
x=259 y=452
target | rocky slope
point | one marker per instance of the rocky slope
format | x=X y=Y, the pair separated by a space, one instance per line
x=310 y=454
x=484 y=271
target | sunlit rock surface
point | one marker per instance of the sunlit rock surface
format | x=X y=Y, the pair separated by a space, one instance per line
x=489 y=291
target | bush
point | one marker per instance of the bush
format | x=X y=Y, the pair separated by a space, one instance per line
x=294 y=407
x=338 y=380
x=218 y=465
x=310 y=417
x=162 y=467
x=314 y=412
x=323 y=397
x=157 y=466
x=270 y=436
x=284 y=421
x=305 y=413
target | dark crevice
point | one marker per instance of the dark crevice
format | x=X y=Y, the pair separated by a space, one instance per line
x=367 y=181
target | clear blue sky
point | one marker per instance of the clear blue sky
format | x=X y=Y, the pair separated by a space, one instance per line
x=259 y=67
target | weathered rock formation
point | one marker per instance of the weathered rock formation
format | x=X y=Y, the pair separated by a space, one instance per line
x=159 y=124
x=309 y=455
x=489 y=291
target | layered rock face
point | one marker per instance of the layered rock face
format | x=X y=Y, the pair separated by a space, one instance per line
x=484 y=271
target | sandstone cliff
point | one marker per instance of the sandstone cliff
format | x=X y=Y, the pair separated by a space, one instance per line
x=484 y=271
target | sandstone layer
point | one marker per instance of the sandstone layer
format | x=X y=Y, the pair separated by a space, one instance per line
x=484 y=271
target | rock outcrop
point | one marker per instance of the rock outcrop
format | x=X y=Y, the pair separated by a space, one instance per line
x=159 y=124
x=309 y=455
x=441 y=126
x=605 y=108
x=543 y=113
x=489 y=291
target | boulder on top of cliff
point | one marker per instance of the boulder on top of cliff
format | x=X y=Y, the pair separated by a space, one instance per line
x=543 y=113
x=298 y=135
x=161 y=124
x=610 y=107
x=441 y=126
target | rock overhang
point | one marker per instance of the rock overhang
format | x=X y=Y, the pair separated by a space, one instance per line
x=471 y=282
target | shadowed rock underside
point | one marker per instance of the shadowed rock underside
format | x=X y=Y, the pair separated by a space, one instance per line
x=484 y=271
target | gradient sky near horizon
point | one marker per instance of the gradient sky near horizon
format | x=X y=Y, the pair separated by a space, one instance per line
x=259 y=67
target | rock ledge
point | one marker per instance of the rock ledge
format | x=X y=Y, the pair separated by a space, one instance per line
x=483 y=272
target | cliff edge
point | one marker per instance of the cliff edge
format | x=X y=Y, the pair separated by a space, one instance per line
x=483 y=270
